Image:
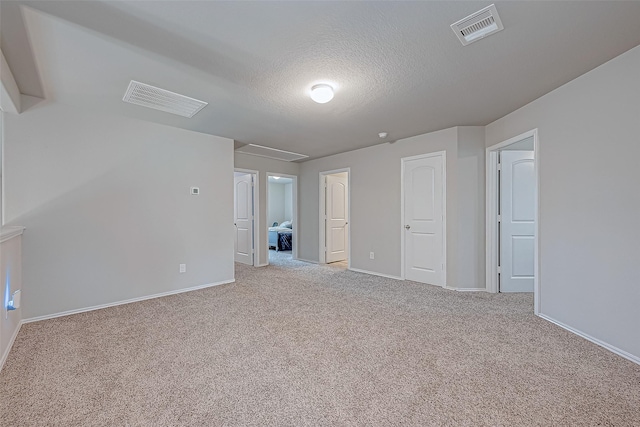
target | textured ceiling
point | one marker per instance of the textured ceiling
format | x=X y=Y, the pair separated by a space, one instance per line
x=397 y=66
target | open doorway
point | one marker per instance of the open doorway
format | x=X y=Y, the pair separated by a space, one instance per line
x=281 y=217
x=512 y=215
x=245 y=200
x=334 y=217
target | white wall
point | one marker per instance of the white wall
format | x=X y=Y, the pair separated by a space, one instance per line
x=275 y=208
x=375 y=201
x=106 y=203
x=589 y=160
x=471 y=208
x=264 y=165
x=288 y=201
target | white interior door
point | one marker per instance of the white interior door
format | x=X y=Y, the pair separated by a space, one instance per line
x=424 y=200
x=243 y=218
x=337 y=221
x=517 y=221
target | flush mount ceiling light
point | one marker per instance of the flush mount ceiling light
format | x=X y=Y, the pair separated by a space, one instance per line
x=322 y=93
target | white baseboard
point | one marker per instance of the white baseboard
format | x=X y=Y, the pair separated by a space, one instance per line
x=616 y=350
x=306 y=260
x=128 y=301
x=465 y=289
x=262 y=265
x=8 y=349
x=373 y=273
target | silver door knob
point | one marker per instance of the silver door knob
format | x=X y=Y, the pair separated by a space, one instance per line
x=407 y=226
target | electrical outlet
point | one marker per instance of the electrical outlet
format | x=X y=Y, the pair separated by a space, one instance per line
x=371 y=255
x=183 y=268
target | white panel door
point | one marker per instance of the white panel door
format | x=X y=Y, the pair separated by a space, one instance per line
x=336 y=210
x=424 y=220
x=517 y=225
x=243 y=218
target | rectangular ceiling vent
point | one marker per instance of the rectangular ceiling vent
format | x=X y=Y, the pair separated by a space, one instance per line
x=478 y=25
x=272 y=153
x=163 y=100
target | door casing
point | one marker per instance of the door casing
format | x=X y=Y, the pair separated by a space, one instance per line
x=294 y=208
x=322 y=256
x=403 y=160
x=492 y=243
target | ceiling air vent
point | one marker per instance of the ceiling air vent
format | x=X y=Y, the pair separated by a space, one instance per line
x=478 y=25
x=272 y=153
x=163 y=100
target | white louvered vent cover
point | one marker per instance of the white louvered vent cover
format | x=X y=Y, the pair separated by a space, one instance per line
x=163 y=100
x=478 y=25
x=272 y=153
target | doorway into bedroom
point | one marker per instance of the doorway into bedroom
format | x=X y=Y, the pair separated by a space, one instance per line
x=281 y=217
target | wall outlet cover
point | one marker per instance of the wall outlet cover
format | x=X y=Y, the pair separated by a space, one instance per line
x=195 y=191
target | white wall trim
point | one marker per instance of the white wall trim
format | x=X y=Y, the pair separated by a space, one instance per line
x=8 y=349
x=492 y=214
x=128 y=301
x=256 y=210
x=616 y=350
x=322 y=254
x=7 y=233
x=465 y=289
x=373 y=273
x=403 y=160
x=306 y=260
x=294 y=207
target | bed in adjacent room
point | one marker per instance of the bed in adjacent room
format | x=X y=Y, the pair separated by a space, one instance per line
x=281 y=237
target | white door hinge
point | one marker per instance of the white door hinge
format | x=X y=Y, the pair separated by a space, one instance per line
x=499 y=218
x=499 y=269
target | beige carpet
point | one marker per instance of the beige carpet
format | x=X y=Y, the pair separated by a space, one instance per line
x=297 y=344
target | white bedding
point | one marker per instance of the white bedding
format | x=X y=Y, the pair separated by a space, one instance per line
x=280 y=229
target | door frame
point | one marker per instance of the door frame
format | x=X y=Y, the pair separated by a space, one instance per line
x=294 y=214
x=322 y=254
x=403 y=160
x=256 y=210
x=492 y=243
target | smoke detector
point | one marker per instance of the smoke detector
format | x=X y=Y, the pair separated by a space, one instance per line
x=160 y=99
x=478 y=25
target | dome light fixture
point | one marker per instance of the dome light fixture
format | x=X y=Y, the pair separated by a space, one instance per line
x=322 y=93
